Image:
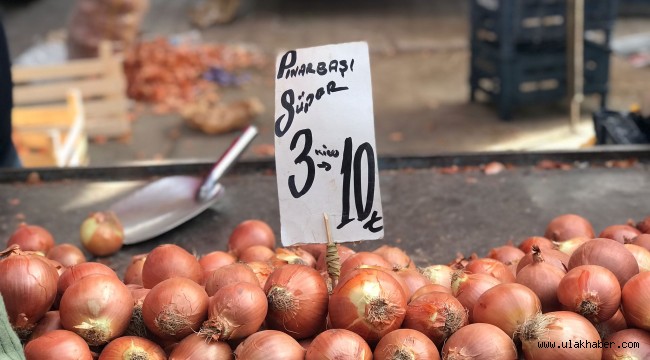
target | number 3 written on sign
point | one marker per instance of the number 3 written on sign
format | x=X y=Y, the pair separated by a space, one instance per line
x=350 y=166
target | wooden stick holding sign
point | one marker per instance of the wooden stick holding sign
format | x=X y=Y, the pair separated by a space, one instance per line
x=332 y=255
x=325 y=147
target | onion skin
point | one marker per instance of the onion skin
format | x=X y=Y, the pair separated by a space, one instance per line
x=641 y=255
x=616 y=350
x=396 y=257
x=77 y=272
x=642 y=240
x=479 y=341
x=569 y=246
x=28 y=285
x=132 y=347
x=262 y=271
x=635 y=299
x=133 y=272
x=98 y=308
x=467 y=288
x=560 y=327
x=249 y=233
x=297 y=301
x=49 y=322
x=438 y=274
x=230 y=274
x=527 y=245
x=591 y=291
x=256 y=253
x=413 y=279
x=338 y=344
x=168 y=261
x=491 y=267
x=235 y=312
x=609 y=254
x=194 y=347
x=31 y=238
x=507 y=306
x=429 y=289
x=369 y=302
x=506 y=254
x=66 y=254
x=620 y=233
x=214 y=260
x=102 y=234
x=175 y=308
x=407 y=343
x=543 y=279
x=58 y=345
x=568 y=226
x=436 y=315
x=270 y=345
x=363 y=258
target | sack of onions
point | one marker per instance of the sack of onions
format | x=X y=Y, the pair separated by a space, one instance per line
x=235 y=312
x=102 y=234
x=560 y=335
x=338 y=344
x=270 y=345
x=98 y=308
x=28 y=285
x=297 y=300
x=369 y=302
x=175 y=308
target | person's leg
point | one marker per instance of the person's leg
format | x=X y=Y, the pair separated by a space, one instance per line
x=8 y=155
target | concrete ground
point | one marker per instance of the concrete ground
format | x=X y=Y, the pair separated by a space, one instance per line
x=419 y=57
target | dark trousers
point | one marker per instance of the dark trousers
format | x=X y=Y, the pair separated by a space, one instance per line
x=8 y=155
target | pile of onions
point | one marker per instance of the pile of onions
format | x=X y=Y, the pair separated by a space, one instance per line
x=406 y=344
x=98 y=308
x=620 y=233
x=467 y=288
x=66 y=254
x=132 y=347
x=591 y=291
x=543 y=279
x=507 y=306
x=297 y=300
x=609 y=254
x=395 y=256
x=102 y=234
x=369 y=302
x=568 y=226
x=635 y=299
x=175 y=308
x=235 y=312
x=230 y=274
x=250 y=233
x=195 y=347
x=628 y=337
x=31 y=238
x=559 y=329
x=28 y=285
x=270 y=345
x=168 y=261
x=338 y=344
x=437 y=315
x=58 y=345
x=480 y=341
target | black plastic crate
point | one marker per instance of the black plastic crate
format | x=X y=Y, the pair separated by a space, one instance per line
x=514 y=22
x=537 y=74
x=616 y=128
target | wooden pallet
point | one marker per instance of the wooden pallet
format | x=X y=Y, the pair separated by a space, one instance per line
x=51 y=136
x=101 y=82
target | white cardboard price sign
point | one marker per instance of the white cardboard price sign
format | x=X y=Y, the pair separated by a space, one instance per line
x=325 y=154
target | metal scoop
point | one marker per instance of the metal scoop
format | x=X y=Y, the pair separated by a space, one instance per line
x=171 y=201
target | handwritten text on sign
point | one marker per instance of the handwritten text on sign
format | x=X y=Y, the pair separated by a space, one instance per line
x=325 y=145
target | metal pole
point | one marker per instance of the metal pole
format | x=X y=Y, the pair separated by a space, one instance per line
x=575 y=58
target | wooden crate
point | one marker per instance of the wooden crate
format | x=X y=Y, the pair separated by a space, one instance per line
x=101 y=82
x=51 y=136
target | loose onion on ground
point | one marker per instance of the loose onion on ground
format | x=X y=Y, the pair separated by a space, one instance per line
x=58 y=345
x=98 y=308
x=297 y=301
x=609 y=254
x=132 y=348
x=175 y=308
x=102 y=234
x=230 y=274
x=31 y=238
x=270 y=345
x=479 y=341
x=635 y=299
x=66 y=254
x=235 y=312
x=437 y=315
x=195 y=347
x=507 y=306
x=338 y=344
x=369 y=302
x=168 y=261
x=28 y=285
x=250 y=233
x=405 y=344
